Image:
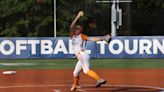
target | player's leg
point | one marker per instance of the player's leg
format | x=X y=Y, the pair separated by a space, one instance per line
x=95 y=76
x=86 y=67
x=76 y=73
x=85 y=61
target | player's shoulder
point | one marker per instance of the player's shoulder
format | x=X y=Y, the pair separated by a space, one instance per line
x=84 y=37
x=83 y=34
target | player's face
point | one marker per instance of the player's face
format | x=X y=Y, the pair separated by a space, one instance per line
x=77 y=31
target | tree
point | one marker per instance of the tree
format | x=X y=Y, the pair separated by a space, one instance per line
x=67 y=10
x=26 y=18
x=146 y=16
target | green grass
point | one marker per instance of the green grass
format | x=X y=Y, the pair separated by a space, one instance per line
x=95 y=63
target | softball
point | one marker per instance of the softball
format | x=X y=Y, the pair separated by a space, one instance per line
x=81 y=13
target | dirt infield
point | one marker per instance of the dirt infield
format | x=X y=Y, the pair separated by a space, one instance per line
x=119 y=80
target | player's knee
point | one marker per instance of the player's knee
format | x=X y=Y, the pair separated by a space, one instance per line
x=75 y=74
x=85 y=71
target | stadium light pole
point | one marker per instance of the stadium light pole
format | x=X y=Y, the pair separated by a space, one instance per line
x=113 y=18
x=116 y=14
x=54 y=18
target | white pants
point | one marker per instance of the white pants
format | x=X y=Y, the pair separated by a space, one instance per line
x=82 y=64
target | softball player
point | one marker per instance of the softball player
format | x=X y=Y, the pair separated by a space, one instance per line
x=83 y=58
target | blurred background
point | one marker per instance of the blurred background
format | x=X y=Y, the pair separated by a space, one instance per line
x=35 y=18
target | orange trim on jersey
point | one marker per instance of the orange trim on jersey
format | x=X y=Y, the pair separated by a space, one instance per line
x=84 y=37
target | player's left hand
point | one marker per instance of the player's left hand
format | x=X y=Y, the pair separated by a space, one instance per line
x=107 y=38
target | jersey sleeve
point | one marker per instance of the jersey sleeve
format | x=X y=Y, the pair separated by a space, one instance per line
x=84 y=37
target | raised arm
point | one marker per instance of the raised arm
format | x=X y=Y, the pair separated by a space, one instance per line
x=72 y=26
